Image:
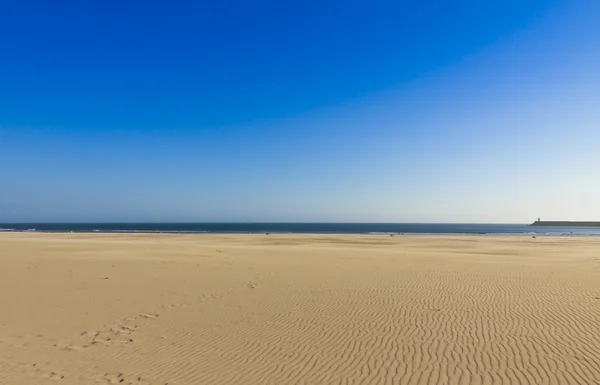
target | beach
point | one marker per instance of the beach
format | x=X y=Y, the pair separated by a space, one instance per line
x=298 y=309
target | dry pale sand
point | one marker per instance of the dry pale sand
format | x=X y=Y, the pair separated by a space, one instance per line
x=257 y=309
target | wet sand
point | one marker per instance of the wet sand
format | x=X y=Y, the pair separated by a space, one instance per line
x=298 y=309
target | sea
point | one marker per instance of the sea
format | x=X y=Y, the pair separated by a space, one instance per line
x=304 y=228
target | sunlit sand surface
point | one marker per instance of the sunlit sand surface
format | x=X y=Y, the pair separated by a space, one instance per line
x=298 y=309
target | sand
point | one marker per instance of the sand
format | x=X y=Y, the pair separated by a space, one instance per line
x=298 y=309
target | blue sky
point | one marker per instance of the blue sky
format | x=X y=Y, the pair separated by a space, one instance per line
x=391 y=111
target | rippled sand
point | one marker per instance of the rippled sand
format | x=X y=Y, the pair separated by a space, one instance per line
x=298 y=309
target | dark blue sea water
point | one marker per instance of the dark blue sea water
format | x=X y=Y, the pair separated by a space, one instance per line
x=306 y=228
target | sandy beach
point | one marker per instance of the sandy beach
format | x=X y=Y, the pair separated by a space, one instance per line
x=298 y=309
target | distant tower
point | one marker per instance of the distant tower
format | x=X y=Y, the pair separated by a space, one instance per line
x=539 y=220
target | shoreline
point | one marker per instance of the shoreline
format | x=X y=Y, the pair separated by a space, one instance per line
x=305 y=236
x=273 y=233
x=379 y=229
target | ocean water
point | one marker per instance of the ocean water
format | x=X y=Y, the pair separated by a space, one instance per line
x=306 y=228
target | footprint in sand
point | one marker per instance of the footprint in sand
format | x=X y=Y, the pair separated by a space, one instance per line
x=254 y=283
x=111 y=335
x=114 y=335
x=41 y=370
x=120 y=378
x=19 y=341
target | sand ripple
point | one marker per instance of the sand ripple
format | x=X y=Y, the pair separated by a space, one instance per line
x=300 y=310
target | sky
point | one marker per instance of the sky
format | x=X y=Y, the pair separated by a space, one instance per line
x=299 y=111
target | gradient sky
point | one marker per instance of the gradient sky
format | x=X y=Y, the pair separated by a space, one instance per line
x=378 y=111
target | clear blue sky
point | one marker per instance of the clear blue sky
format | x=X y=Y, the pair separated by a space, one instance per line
x=391 y=111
